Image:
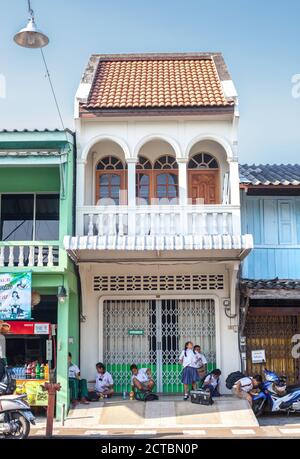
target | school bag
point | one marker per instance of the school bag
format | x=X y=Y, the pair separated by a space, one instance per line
x=146 y=396
x=232 y=378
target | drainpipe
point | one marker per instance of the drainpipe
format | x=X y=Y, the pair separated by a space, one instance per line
x=230 y=310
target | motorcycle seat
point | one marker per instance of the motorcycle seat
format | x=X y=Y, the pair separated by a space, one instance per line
x=12 y=397
x=293 y=388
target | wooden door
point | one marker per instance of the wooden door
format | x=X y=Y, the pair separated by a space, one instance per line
x=204 y=186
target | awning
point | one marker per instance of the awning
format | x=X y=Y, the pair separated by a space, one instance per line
x=239 y=244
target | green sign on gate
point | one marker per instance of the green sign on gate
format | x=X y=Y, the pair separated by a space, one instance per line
x=136 y=332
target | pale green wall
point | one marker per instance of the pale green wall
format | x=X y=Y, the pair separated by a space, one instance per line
x=29 y=179
x=39 y=178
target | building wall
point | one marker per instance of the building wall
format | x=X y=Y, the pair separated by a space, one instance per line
x=91 y=342
x=38 y=174
x=274 y=222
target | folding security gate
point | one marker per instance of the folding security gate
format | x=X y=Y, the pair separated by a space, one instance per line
x=152 y=333
x=273 y=333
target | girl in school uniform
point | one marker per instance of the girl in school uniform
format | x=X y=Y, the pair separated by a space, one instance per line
x=190 y=374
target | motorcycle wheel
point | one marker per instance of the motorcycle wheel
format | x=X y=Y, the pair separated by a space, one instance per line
x=258 y=407
x=23 y=427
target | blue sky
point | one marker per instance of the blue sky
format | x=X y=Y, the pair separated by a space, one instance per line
x=259 y=40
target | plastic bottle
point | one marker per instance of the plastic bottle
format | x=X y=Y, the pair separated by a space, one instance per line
x=28 y=371
x=37 y=371
x=42 y=371
x=46 y=374
x=33 y=374
x=24 y=371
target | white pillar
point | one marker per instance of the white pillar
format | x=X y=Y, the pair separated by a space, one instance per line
x=182 y=181
x=80 y=193
x=131 y=187
x=131 y=177
x=234 y=182
x=80 y=182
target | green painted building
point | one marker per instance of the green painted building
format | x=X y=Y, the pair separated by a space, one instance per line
x=36 y=211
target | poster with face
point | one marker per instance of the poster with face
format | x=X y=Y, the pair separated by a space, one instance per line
x=15 y=296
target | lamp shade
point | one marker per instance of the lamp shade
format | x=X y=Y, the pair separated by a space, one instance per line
x=31 y=37
x=62 y=294
x=35 y=298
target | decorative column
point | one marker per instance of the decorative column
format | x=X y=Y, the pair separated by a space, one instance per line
x=234 y=182
x=183 y=194
x=131 y=187
x=80 y=185
x=182 y=181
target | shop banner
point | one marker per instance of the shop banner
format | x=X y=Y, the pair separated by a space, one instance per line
x=15 y=296
x=36 y=396
x=29 y=328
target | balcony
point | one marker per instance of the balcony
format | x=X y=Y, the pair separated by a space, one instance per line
x=29 y=254
x=158 y=220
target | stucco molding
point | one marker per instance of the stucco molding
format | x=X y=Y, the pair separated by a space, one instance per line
x=104 y=137
x=214 y=138
x=170 y=140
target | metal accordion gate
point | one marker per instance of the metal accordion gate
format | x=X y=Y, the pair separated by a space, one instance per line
x=273 y=333
x=151 y=333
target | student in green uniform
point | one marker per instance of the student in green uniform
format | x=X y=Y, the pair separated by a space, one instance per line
x=77 y=385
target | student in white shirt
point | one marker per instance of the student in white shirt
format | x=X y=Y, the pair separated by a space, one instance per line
x=141 y=379
x=246 y=387
x=77 y=385
x=104 y=381
x=201 y=362
x=190 y=374
x=211 y=382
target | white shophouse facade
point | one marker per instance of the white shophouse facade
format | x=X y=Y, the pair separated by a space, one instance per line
x=157 y=272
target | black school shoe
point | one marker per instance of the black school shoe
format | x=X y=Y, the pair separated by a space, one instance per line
x=185 y=398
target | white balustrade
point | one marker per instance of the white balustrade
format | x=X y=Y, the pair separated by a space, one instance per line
x=158 y=220
x=14 y=254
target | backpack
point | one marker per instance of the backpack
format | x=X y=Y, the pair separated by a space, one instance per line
x=92 y=396
x=8 y=383
x=146 y=396
x=232 y=378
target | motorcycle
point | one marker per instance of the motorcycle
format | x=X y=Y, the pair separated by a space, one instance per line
x=275 y=396
x=15 y=414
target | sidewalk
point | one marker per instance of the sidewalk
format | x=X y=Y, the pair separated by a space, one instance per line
x=167 y=412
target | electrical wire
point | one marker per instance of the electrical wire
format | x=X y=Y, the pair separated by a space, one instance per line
x=52 y=89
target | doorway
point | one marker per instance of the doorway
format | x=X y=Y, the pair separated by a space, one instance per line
x=151 y=333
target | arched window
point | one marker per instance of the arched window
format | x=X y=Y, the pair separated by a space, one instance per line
x=166 y=162
x=203 y=179
x=110 y=179
x=203 y=161
x=144 y=179
x=166 y=183
x=158 y=181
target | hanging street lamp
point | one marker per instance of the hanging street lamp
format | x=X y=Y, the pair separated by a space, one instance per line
x=30 y=36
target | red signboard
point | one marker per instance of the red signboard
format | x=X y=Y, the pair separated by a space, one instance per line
x=29 y=328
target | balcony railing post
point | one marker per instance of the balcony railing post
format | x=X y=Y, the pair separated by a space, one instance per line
x=11 y=256
x=1 y=256
x=50 y=256
x=21 y=256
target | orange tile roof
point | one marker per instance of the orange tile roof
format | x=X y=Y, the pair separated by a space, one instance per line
x=142 y=83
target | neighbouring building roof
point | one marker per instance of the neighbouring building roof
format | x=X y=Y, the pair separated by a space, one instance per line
x=26 y=153
x=156 y=81
x=270 y=174
x=270 y=284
